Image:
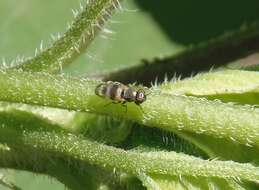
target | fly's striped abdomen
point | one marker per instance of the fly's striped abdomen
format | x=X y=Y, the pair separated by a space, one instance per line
x=114 y=92
x=101 y=89
x=110 y=90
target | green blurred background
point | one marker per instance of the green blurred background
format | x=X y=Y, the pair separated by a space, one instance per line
x=143 y=30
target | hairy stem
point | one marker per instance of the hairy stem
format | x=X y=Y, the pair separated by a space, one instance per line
x=107 y=157
x=201 y=57
x=64 y=50
x=17 y=155
x=170 y=112
x=228 y=86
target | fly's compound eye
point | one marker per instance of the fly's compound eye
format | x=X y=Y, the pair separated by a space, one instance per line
x=141 y=97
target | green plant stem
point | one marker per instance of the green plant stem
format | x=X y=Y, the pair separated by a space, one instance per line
x=64 y=50
x=228 y=86
x=202 y=57
x=169 y=112
x=68 y=145
x=64 y=169
x=17 y=155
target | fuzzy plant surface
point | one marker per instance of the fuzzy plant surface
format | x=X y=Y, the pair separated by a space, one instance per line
x=200 y=132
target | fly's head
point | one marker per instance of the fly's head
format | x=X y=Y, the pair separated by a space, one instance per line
x=140 y=97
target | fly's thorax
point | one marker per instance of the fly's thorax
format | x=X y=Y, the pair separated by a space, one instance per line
x=129 y=94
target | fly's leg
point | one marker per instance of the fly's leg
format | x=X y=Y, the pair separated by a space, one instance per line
x=125 y=106
x=123 y=103
x=107 y=104
x=113 y=102
x=141 y=108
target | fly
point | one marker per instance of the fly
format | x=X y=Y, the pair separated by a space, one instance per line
x=120 y=93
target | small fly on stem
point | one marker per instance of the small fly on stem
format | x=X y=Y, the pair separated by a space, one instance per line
x=120 y=93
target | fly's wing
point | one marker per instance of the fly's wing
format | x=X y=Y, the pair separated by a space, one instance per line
x=133 y=86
